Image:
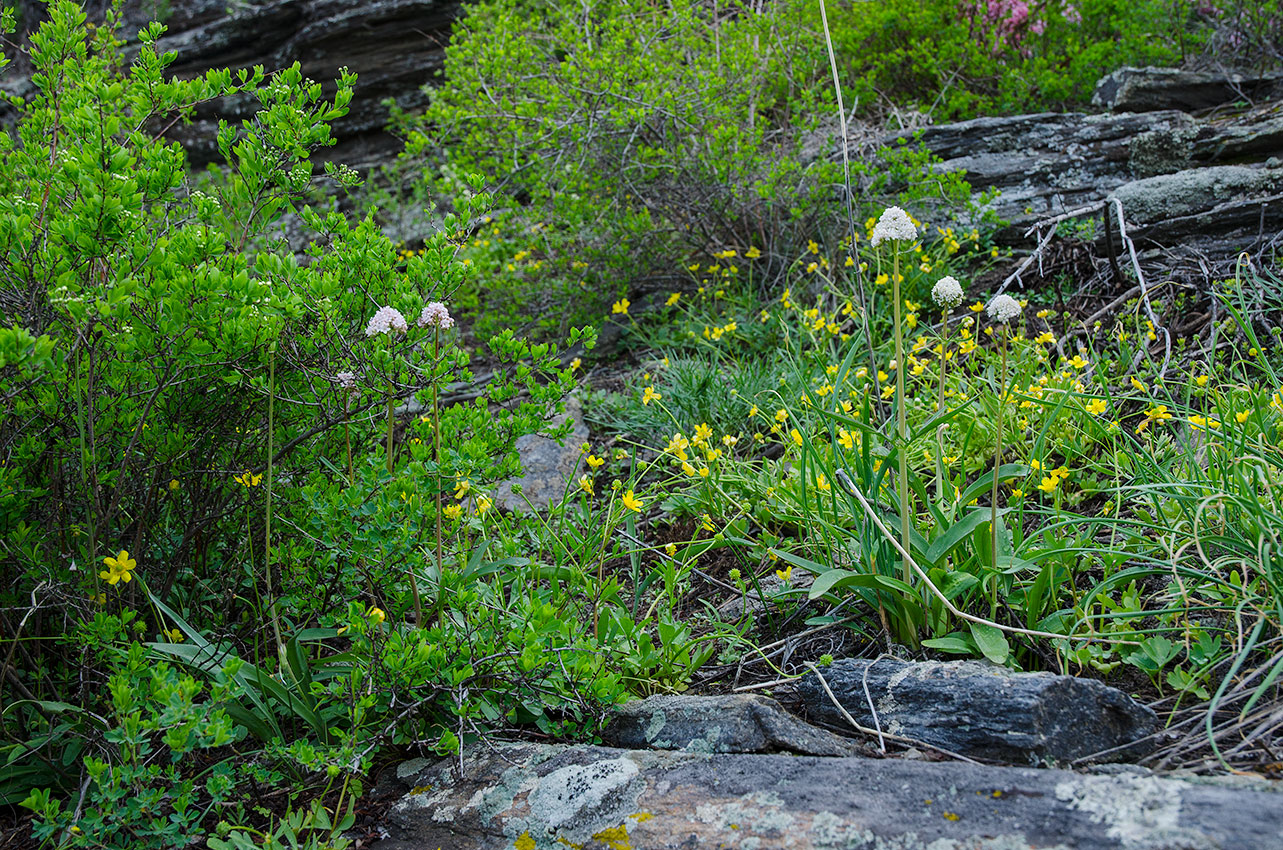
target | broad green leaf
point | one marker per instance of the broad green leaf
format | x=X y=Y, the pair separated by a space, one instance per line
x=992 y=642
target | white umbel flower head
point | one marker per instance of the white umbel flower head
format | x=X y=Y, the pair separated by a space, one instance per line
x=894 y=224
x=1003 y=308
x=347 y=381
x=387 y=321
x=947 y=292
x=435 y=315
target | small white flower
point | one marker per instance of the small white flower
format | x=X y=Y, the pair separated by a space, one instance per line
x=387 y=321
x=435 y=313
x=947 y=292
x=894 y=224
x=346 y=380
x=1003 y=308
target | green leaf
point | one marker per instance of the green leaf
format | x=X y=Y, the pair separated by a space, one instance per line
x=956 y=533
x=834 y=579
x=992 y=642
x=984 y=483
x=956 y=642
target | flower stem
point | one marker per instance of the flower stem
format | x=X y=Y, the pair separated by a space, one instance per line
x=436 y=464
x=267 y=525
x=997 y=460
x=944 y=352
x=390 y=424
x=902 y=429
x=347 y=437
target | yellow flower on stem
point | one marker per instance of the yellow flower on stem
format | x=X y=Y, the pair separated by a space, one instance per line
x=119 y=568
x=377 y=615
x=452 y=512
x=249 y=479
x=585 y=484
x=620 y=307
x=461 y=489
x=484 y=504
x=631 y=502
x=593 y=461
x=1096 y=406
x=649 y=396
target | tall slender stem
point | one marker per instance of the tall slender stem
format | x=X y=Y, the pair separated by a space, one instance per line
x=390 y=423
x=436 y=464
x=267 y=524
x=997 y=461
x=902 y=428
x=347 y=436
x=944 y=354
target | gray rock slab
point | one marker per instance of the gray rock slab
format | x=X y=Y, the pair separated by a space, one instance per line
x=541 y=797
x=1049 y=163
x=980 y=710
x=547 y=465
x=1151 y=89
x=734 y=723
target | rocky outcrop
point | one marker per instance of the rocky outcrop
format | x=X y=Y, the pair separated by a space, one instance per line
x=983 y=711
x=735 y=723
x=528 y=796
x=1150 y=89
x=394 y=46
x=1221 y=185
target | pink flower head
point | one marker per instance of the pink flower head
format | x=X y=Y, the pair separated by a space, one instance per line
x=387 y=321
x=436 y=314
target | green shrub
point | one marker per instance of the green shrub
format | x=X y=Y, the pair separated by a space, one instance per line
x=178 y=383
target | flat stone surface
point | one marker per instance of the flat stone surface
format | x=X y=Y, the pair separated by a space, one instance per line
x=533 y=796
x=983 y=711
x=733 y=723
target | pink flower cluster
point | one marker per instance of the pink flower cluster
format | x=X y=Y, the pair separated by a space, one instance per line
x=1006 y=24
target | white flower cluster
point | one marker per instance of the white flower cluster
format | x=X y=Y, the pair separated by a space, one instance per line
x=1003 y=308
x=436 y=314
x=387 y=321
x=947 y=292
x=894 y=224
x=346 y=380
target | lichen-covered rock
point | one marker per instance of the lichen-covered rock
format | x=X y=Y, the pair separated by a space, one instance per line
x=734 y=723
x=1050 y=163
x=547 y=797
x=984 y=711
x=1152 y=89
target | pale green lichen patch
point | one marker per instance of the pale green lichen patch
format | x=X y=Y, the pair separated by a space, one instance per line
x=1137 y=811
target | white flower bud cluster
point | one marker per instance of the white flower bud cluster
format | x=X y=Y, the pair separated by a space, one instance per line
x=1003 y=308
x=435 y=314
x=947 y=292
x=894 y=224
x=387 y=321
